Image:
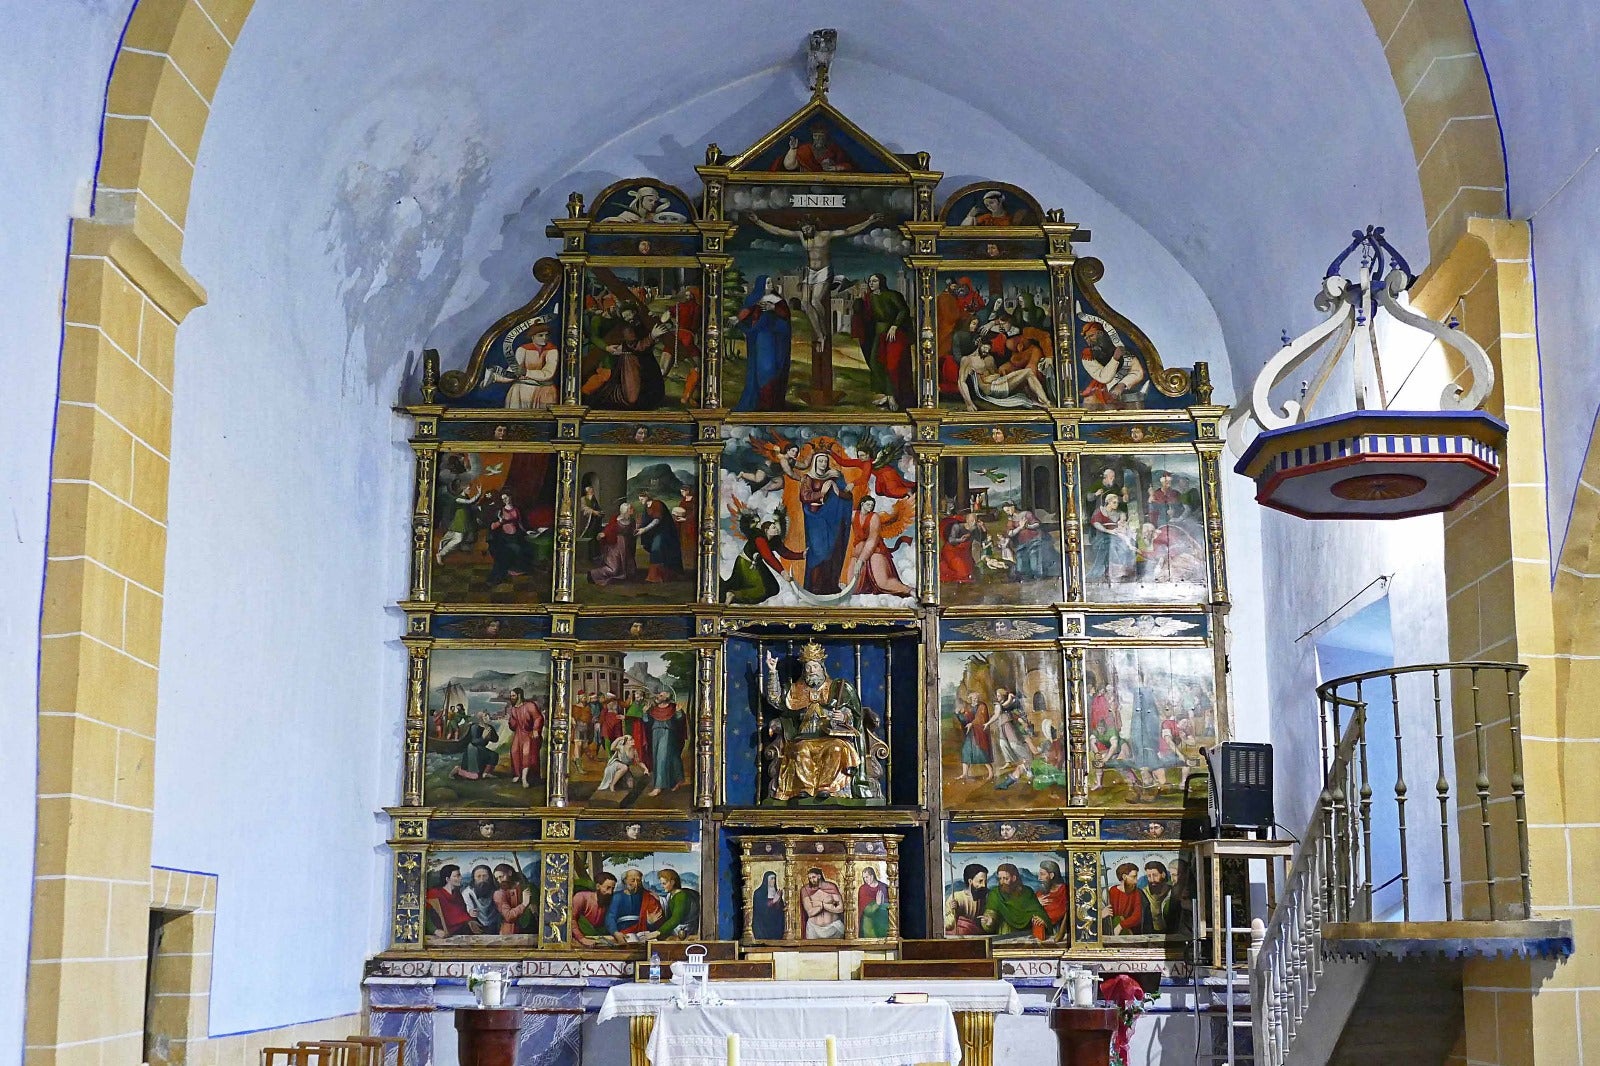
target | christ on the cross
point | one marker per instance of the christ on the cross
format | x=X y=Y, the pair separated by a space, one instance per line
x=815 y=293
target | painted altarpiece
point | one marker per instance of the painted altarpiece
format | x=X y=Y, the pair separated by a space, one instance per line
x=784 y=501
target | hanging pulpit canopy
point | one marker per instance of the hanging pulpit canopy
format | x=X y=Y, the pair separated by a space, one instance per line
x=1371 y=462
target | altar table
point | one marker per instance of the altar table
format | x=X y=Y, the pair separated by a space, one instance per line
x=790 y=1034
x=974 y=1003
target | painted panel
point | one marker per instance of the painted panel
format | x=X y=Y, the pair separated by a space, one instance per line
x=494 y=514
x=1000 y=536
x=817 y=516
x=994 y=340
x=820 y=298
x=632 y=723
x=481 y=898
x=1143 y=529
x=623 y=898
x=487 y=711
x=1019 y=898
x=1002 y=729
x=1150 y=712
x=642 y=337
x=637 y=529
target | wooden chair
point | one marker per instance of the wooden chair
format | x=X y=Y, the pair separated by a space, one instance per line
x=381 y=1046
x=294 y=1056
x=344 y=1052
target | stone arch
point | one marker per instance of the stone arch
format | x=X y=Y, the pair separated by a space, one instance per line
x=126 y=293
x=100 y=631
x=1438 y=69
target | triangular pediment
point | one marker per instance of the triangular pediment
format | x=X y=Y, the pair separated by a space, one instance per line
x=819 y=140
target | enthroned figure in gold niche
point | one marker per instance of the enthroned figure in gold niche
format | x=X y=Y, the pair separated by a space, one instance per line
x=821 y=745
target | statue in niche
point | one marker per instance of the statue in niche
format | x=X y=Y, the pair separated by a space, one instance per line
x=821 y=742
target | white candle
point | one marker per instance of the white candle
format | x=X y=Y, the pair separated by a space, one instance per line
x=733 y=1049
x=832 y=1051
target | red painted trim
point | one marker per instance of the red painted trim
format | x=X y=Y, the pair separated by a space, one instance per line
x=1263 y=492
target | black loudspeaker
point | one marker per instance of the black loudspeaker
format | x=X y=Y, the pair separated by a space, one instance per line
x=1241 y=786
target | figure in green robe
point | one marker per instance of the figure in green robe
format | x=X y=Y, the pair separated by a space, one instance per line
x=681 y=919
x=1012 y=910
x=873 y=900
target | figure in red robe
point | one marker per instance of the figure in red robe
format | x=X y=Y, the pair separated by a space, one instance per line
x=526 y=719
x=1124 y=904
x=1052 y=893
x=956 y=536
x=816 y=156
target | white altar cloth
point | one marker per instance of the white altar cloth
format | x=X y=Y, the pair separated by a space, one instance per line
x=866 y=1033
x=638 y=998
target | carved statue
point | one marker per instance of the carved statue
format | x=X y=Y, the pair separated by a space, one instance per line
x=821 y=742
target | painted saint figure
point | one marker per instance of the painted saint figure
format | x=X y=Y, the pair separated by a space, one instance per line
x=884 y=328
x=1124 y=914
x=633 y=908
x=768 y=909
x=618 y=561
x=646 y=204
x=447 y=910
x=1052 y=893
x=526 y=719
x=590 y=906
x=1117 y=377
x=760 y=563
x=826 y=505
x=680 y=917
x=872 y=899
x=478 y=757
x=964 y=909
x=666 y=744
x=764 y=321
x=513 y=901
x=871 y=570
x=533 y=376
x=658 y=535
x=1012 y=910
x=818 y=154
x=815 y=297
x=822 y=904
x=822 y=741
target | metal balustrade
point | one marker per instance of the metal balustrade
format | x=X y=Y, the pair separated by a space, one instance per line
x=1332 y=877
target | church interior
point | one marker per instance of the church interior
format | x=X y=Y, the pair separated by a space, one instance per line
x=1052 y=532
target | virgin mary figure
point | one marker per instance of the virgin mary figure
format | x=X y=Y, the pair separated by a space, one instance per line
x=764 y=320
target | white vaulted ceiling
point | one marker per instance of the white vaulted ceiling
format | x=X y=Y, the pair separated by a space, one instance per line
x=410 y=152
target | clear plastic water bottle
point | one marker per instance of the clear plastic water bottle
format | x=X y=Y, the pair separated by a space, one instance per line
x=655 y=968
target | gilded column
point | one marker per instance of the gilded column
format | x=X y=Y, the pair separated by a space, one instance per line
x=711 y=344
x=710 y=572
x=1071 y=522
x=1219 y=559
x=927 y=519
x=422 y=523
x=1062 y=316
x=572 y=230
x=852 y=920
x=566 y=504
x=927 y=328
x=560 y=721
x=1078 y=756
x=976 y=1028
x=416 y=710
x=705 y=737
